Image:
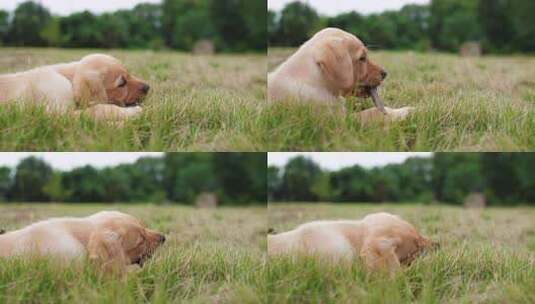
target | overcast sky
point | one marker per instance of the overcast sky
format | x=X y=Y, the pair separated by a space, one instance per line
x=337 y=160
x=65 y=7
x=334 y=7
x=69 y=160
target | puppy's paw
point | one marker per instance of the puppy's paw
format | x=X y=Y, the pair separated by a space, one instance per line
x=375 y=115
x=134 y=268
x=400 y=114
x=134 y=111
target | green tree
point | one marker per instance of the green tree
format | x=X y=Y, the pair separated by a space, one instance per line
x=412 y=27
x=454 y=22
x=495 y=18
x=255 y=178
x=229 y=22
x=144 y=26
x=147 y=179
x=114 y=29
x=31 y=176
x=351 y=184
x=274 y=183
x=80 y=30
x=352 y=22
x=85 y=185
x=29 y=19
x=189 y=174
x=501 y=177
x=255 y=17
x=299 y=177
x=455 y=175
x=5 y=183
x=186 y=21
x=522 y=19
x=298 y=23
x=4 y=26
x=524 y=171
x=51 y=33
x=54 y=188
x=273 y=28
x=381 y=30
x=117 y=184
x=416 y=179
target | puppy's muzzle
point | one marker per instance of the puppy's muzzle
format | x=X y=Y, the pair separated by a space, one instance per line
x=145 y=88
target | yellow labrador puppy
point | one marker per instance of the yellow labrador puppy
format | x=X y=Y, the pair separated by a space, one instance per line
x=113 y=239
x=384 y=241
x=332 y=64
x=97 y=83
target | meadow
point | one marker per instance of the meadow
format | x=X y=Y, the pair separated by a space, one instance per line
x=196 y=103
x=210 y=256
x=462 y=104
x=485 y=256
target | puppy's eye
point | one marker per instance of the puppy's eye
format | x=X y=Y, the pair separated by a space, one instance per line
x=363 y=58
x=121 y=82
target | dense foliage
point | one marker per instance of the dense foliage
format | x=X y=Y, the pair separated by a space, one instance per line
x=236 y=178
x=500 y=25
x=232 y=25
x=505 y=178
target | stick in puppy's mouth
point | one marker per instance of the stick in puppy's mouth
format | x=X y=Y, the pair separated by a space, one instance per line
x=374 y=94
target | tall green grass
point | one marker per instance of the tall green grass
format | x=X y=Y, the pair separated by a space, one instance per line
x=465 y=274
x=193 y=275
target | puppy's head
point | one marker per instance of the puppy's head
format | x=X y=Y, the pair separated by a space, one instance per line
x=413 y=245
x=123 y=236
x=345 y=64
x=102 y=78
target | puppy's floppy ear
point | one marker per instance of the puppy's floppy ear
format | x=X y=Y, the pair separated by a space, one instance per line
x=336 y=63
x=88 y=87
x=105 y=248
x=380 y=254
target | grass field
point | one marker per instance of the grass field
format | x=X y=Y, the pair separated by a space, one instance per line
x=485 y=257
x=196 y=103
x=211 y=256
x=463 y=104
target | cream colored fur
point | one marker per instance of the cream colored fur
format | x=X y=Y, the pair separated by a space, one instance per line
x=381 y=240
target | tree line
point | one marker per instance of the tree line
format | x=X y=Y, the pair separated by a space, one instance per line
x=501 y=26
x=232 y=25
x=236 y=178
x=504 y=178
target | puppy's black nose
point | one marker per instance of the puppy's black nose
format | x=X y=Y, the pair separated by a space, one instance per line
x=384 y=74
x=145 y=88
x=162 y=238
